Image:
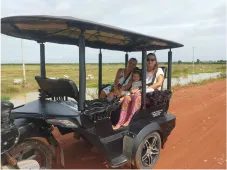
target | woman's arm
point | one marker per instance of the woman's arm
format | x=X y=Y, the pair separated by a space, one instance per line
x=158 y=83
x=117 y=79
x=124 y=88
x=127 y=86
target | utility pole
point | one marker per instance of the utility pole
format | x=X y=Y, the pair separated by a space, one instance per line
x=24 y=81
x=193 y=48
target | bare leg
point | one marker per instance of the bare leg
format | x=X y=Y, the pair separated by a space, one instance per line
x=127 y=123
x=116 y=127
x=136 y=104
x=121 y=99
x=124 y=112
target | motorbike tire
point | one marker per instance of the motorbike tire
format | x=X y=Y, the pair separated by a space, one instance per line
x=36 y=145
x=138 y=162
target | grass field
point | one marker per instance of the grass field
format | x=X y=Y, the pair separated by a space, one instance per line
x=10 y=72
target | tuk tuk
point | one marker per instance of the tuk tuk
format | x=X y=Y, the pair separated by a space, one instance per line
x=63 y=105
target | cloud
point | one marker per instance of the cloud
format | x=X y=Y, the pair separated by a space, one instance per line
x=193 y=23
x=62 y=5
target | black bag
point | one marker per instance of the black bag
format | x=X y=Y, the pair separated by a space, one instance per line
x=159 y=97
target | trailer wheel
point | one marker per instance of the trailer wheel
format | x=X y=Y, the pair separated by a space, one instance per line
x=148 y=151
x=33 y=150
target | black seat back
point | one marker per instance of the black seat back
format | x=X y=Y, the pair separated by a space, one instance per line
x=164 y=69
x=58 y=87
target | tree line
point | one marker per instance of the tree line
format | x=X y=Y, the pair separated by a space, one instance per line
x=198 y=61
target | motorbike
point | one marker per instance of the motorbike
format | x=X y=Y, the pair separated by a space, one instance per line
x=9 y=139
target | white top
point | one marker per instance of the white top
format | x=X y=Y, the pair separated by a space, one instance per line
x=136 y=85
x=122 y=79
x=149 y=78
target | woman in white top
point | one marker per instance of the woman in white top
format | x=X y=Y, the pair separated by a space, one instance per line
x=153 y=70
x=131 y=105
x=123 y=81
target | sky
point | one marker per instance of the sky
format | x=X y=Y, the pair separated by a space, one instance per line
x=193 y=23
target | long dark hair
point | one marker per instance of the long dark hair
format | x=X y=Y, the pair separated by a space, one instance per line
x=155 y=69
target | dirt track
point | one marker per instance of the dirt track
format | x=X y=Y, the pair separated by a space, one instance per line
x=197 y=142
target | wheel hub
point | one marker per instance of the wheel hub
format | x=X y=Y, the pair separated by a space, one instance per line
x=151 y=151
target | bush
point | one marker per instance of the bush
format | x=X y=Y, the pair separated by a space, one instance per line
x=11 y=89
x=5 y=98
x=222 y=75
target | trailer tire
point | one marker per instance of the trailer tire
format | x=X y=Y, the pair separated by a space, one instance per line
x=21 y=152
x=148 y=151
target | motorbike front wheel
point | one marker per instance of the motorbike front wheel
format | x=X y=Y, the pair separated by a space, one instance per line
x=33 y=149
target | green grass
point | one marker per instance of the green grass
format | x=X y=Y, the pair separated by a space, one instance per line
x=179 y=70
x=5 y=98
x=9 y=72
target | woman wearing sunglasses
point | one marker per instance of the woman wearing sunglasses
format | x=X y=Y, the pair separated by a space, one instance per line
x=130 y=104
x=154 y=73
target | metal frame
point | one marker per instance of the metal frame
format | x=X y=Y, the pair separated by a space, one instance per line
x=24 y=27
x=126 y=59
x=144 y=68
x=16 y=26
x=82 y=70
x=100 y=72
x=42 y=60
x=169 y=70
x=82 y=73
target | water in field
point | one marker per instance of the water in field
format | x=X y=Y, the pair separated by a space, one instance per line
x=191 y=78
x=28 y=97
x=92 y=92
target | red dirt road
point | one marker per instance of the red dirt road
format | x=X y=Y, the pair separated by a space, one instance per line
x=197 y=142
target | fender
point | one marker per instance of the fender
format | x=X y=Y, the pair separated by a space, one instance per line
x=30 y=128
x=135 y=134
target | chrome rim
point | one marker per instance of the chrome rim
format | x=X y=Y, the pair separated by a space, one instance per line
x=150 y=151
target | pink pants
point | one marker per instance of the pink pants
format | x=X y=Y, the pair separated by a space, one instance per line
x=130 y=105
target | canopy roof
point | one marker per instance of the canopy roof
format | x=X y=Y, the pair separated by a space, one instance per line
x=66 y=30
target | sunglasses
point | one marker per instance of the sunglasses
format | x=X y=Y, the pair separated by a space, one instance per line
x=150 y=59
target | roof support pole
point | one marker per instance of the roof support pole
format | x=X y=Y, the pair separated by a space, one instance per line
x=169 y=70
x=100 y=71
x=126 y=59
x=82 y=74
x=144 y=69
x=42 y=60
